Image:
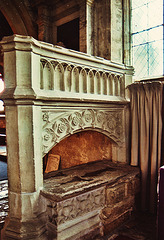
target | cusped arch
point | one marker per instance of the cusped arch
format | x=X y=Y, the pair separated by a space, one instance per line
x=104 y=83
x=83 y=81
x=68 y=78
x=97 y=83
x=90 y=83
x=116 y=83
x=122 y=86
x=59 y=77
x=75 y=79
x=46 y=75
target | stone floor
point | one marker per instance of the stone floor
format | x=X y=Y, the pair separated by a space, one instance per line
x=142 y=226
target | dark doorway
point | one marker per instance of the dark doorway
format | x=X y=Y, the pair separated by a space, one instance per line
x=68 y=34
x=5 y=29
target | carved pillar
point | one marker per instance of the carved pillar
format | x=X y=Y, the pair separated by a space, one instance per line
x=24 y=153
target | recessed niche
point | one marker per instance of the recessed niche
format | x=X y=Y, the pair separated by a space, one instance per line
x=82 y=147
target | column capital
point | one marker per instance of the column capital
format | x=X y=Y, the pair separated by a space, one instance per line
x=89 y=2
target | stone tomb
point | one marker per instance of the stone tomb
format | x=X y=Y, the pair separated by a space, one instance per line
x=89 y=200
x=52 y=93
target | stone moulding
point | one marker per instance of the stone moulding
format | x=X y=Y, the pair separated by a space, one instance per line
x=58 y=125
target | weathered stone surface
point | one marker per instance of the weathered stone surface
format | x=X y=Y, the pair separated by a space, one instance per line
x=117 y=222
x=75 y=148
x=68 y=182
x=112 y=212
x=115 y=194
x=133 y=186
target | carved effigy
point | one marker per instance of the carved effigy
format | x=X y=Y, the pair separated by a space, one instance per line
x=57 y=126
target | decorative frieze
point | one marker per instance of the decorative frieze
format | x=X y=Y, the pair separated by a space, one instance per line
x=57 y=126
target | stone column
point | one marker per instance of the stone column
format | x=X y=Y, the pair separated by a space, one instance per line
x=85 y=26
x=82 y=27
x=43 y=22
x=24 y=153
x=127 y=32
x=116 y=31
x=89 y=26
x=102 y=29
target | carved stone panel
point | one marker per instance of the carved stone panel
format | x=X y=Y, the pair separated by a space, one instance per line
x=76 y=208
x=58 y=124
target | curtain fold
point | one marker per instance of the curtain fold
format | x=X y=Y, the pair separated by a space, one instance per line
x=146 y=136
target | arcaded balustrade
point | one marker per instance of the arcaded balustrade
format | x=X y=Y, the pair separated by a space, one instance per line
x=45 y=71
x=75 y=78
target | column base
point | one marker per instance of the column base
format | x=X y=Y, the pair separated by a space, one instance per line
x=31 y=229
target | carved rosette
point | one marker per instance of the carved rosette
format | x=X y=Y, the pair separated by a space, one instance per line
x=58 y=126
x=75 y=207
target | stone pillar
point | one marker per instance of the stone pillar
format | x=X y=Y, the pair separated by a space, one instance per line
x=127 y=32
x=89 y=26
x=82 y=27
x=85 y=26
x=43 y=22
x=24 y=153
x=102 y=29
x=116 y=31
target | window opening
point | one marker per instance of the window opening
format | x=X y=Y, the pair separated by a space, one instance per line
x=68 y=34
x=147 y=37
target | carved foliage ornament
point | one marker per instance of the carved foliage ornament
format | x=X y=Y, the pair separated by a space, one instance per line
x=72 y=208
x=58 y=126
